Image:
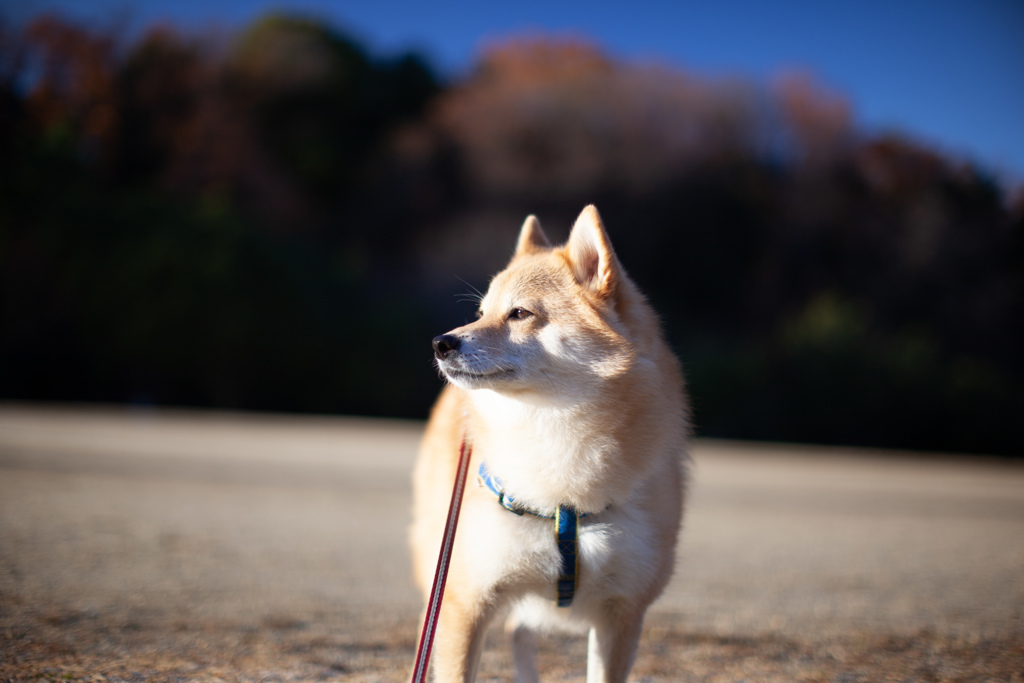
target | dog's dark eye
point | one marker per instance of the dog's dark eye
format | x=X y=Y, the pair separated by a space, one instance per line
x=519 y=314
x=479 y=314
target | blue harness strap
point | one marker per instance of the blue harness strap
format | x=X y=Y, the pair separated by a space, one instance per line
x=566 y=534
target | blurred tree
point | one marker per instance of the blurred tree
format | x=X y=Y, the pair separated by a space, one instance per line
x=559 y=120
x=322 y=107
x=278 y=222
x=145 y=231
x=74 y=89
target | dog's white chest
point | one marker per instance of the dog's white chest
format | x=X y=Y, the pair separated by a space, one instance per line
x=615 y=551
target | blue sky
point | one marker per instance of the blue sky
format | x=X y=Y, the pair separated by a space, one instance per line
x=946 y=72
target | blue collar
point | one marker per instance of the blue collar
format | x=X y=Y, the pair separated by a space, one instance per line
x=566 y=534
x=505 y=499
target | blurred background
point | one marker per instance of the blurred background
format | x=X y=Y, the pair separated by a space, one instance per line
x=275 y=207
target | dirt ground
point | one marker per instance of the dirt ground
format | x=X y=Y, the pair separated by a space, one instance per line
x=187 y=546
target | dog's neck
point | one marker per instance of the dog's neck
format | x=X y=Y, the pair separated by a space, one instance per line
x=551 y=454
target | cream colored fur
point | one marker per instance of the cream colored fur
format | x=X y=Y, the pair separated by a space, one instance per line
x=566 y=388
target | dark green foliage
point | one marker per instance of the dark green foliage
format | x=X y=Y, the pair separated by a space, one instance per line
x=142 y=274
x=320 y=104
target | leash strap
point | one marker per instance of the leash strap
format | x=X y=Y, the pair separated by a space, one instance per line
x=419 y=672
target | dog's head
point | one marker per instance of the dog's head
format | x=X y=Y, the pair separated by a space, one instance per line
x=551 y=323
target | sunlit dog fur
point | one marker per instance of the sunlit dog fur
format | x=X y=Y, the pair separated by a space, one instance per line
x=567 y=389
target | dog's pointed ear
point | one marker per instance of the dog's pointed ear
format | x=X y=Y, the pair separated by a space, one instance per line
x=531 y=238
x=591 y=255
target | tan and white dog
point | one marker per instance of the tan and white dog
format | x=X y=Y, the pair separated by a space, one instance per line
x=566 y=390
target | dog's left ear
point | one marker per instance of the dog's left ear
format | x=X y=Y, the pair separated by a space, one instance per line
x=591 y=255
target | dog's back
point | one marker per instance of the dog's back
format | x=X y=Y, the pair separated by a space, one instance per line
x=573 y=403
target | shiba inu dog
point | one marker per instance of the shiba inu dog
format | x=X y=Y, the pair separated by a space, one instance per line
x=574 y=408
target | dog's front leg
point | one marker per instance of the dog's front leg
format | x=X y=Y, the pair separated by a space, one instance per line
x=460 y=639
x=524 y=649
x=612 y=647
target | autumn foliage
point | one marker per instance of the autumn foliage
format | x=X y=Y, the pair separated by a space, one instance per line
x=279 y=221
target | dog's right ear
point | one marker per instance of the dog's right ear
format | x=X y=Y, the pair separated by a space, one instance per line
x=531 y=238
x=590 y=254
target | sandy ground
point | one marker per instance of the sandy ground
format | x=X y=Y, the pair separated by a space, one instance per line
x=178 y=546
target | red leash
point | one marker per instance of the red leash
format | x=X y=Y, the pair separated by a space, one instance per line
x=419 y=672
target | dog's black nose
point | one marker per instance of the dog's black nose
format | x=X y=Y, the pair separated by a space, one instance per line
x=444 y=345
